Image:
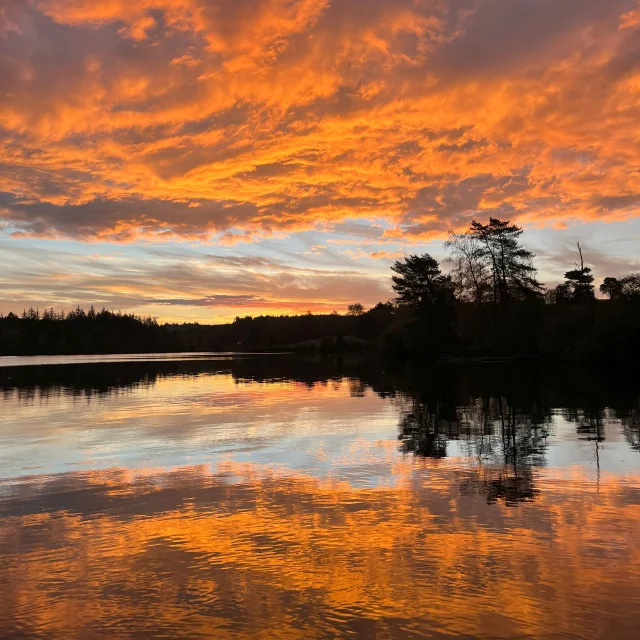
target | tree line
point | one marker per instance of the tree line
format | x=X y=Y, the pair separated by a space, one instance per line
x=80 y=331
x=488 y=303
x=489 y=266
x=491 y=303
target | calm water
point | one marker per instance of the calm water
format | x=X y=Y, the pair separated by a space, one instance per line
x=271 y=497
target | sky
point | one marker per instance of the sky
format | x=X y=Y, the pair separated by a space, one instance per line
x=201 y=159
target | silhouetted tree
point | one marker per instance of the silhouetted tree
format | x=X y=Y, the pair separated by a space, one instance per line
x=558 y=295
x=628 y=288
x=355 y=310
x=419 y=281
x=611 y=287
x=631 y=286
x=428 y=295
x=513 y=276
x=375 y=321
x=580 y=281
x=471 y=274
x=31 y=314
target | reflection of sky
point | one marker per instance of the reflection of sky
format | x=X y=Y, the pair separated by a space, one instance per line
x=612 y=455
x=194 y=420
x=324 y=431
x=13 y=361
x=253 y=552
x=566 y=449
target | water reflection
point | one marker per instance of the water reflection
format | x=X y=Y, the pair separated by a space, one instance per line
x=504 y=443
x=287 y=498
x=631 y=425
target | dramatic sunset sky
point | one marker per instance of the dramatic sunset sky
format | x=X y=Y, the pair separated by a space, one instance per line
x=200 y=159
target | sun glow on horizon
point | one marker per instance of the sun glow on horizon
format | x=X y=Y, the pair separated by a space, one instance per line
x=329 y=137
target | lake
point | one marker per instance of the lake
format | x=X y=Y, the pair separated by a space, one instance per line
x=201 y=496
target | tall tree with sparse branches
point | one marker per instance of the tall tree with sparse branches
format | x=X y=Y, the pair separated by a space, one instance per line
x=513 y=275
x=580 y=281
x=470 y=273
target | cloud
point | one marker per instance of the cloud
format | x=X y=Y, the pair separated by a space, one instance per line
x=124 y=220
x=359 y=254
x=630 y=20
x=228 y=121
x=208 y=286
x=386 y=255
x=187 y=60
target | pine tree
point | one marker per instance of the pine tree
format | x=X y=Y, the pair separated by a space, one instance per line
x=513 y=276
x=580 y=281
x=419 y=281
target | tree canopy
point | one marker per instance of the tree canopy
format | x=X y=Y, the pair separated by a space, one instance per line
x=419 y=281
x=513 y=275
x=627 y=288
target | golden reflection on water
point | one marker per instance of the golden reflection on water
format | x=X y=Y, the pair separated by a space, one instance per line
x=253 y=552
x=201 y=506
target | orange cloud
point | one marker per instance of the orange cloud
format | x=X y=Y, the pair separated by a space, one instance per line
x=277 y=115
x=373 y=255
x=631 y=19
x=187 y=60
x=386 y=255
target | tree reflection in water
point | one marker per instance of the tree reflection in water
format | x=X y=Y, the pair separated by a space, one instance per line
x=500 y=418
x=631 y=427
x=504 y=442
x=501 y=423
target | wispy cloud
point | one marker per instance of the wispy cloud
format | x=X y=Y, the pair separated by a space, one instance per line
x=218 y=287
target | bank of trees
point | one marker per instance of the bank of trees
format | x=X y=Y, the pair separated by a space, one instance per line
x=80 y=331
x=627 y=288
x=50 y=332
x=490 y=266
x=486 y=301
x=491 y=303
